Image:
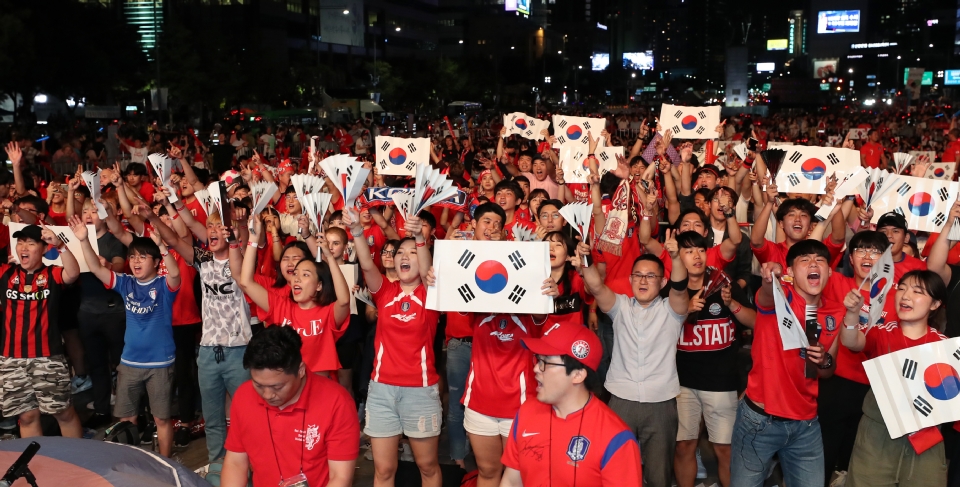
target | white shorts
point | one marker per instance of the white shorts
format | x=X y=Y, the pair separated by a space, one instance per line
x=718 y=409
x=483 y=425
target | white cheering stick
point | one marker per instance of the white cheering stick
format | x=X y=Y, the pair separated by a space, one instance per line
x=162 y=165
x=315 y=205
x=404 y=202
x=92 y=180
x=579 y=216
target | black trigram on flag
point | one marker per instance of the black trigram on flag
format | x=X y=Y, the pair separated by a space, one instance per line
x=904 y=189
x=939 y=219
x=701 y=114
x=528 y=133
x=834 y=160
x=787 y=322
x=466 y=259
x=585 y=140
x=676 y=129
x=586 y=124
x=909 y=369
x=466 y=293
x=517 y=260
x=956 y=354
x=943 y=193
x=410 y=164
x=412 y=147
x=700 y=129
x=678 y=114
x=604 y=156
x=63 y=237
x=562 y=140
x=793 y=179
x=795 y=157
x=899 y=211
x=562 y=124
x=921 y=405
x=886 y=268
x=517 y=294
x=385 y=145
x=383 y=164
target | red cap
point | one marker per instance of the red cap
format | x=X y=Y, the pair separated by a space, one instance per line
x=577 y=341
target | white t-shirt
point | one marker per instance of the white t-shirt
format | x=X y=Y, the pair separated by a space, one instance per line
x=138 y=154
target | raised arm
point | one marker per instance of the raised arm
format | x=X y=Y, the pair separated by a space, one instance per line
x=679 y=298
x=937 y=261
x=757 y=235
x=728 y=248
x=850 y=334
x=71 y=269
x=593 y=281
x=74 y=185
x=173 y=270
x=170 y=237
x=341 y=309
x=16 y=159
x=371 y=274
x=381 y=222
x=257 y=293
x=89 y=255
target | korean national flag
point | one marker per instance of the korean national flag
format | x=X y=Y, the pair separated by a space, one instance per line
x=805 y=169
x=690 y=122
x=573 y=130
x=940 y=170
x=475 y=276
x=519 y=123
x=925 y=203
x=918 y=386
x=399 y=157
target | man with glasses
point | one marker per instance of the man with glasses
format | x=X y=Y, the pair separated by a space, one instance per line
x=642 y=379
x=568 y=436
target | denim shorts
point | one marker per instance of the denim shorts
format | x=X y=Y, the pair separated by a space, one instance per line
x=413 y=411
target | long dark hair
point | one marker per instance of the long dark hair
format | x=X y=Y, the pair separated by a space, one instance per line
x=932 y=284
x=571 y=247
x=281 y=281
x=327 y=294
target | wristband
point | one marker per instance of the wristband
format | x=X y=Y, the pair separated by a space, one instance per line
x=854 y=327
x=175 y=216
x=235 y=245
x=679 y=285
x=739 y=308
x=253 y=243
x=730 y=214
x=748 y=162
x=647 y=217
x=356 y=234
x=421 y=244
x=164 y=254
x=179 y=208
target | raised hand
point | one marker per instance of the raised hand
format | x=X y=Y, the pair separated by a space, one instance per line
x=550 y=287
x=726 y=295
x=853 y=301
x=770 y=271
x=696 y=302
x=78 y=228
x=670 y=243
x=48 y=236
x=14 y=153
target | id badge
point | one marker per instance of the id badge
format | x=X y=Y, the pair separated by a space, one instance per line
x=299 y=480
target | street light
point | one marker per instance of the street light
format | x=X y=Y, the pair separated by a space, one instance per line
x=346 y=12
x=461 y=41
x=850 y=70
x=398 y=28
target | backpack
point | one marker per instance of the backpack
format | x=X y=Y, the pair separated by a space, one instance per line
x=124 y=432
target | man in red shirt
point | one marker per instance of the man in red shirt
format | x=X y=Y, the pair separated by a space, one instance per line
x=951 y=152
x=778 y=415
x=871 y=153
x=287 y=424
x=594 y=446
x=794 y=217
x=894 y=226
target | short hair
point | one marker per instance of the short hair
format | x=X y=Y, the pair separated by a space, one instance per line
x=274 y=348
x=691 y=240
x=202 y=174
x=519 y=179
x=538 y=192
x=428 y=218
x=609 y=183
x=38 y=203
x=869 y=239
x=490 y=207
x=933 y=285
x=511 y=186
x=337 y=230
x=336 y=215
x=650 y=258
x=791 y=204
x=144 y=246
x=694 y=210
x=135 y=168
x=734 y=197
x=571 y=365
x=807 y=247
x=705 y=192
x=550 y=202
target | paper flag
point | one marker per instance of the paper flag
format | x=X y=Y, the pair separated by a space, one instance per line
x=941 y=170
x=924 y=155
x=573 y=160
x=92 y=180
x=805 y=168
x=162 y=165
x=792 y=332
x=876 y=184
x=902 y=161
x=315 y=207
x=881 y=280
x=431 y=186
x=924 y=203
x=347 y=174
x=690 y=122
x=400 y=157
x=854 y=134
x=578 y=215
x=573 y=130
x=848 y=185
x=519 y=123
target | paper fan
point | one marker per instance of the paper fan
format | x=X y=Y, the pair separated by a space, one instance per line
x=404 y=202
x=877 y=184
x=773 y=158
x=578 y=215
x=431 y=186
x=92 y=180
x=347 y=174
x=363 y=294
x=219 y=200
x=713 y=281
x=315 y=207
x=902 y=161
x=741 y=151
x=261 y=193
x=305 y=184
x=203 y=197
x=162 y=165
x=524 y=234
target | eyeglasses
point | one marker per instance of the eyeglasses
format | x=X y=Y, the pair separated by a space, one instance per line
x=874 y=253
x=386 y=251
x=645 y=277
x=542 y=364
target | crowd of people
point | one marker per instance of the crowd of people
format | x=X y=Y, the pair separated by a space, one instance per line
x=664 y=326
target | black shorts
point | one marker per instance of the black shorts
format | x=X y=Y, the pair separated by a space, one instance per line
x=347 y=353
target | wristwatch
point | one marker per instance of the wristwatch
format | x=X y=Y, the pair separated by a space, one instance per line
x=827 y=361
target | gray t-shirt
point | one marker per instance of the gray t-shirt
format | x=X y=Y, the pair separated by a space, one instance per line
x=225 y=312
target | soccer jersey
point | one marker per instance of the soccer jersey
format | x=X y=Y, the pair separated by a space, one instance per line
x=850 y=364
x=375 y=240
x=185 y=309
x=30 y=330
x=777 y=252
x=592 y=446
x=887 y=338
x=568 y=305
x=707 y=349
x=501 y=368
x=907 y=263
x=226 y=315
x=459 y=325
x=148 y=339
x=714 y=259
x=777 y=379
x=321 y=426
x=316 y=326
x=403 y=346
x=197 y=211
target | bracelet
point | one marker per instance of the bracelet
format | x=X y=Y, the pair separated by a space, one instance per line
x=276 y=239
x=647 y=217
x=739 y=308
x=179 y=208
x=175 y=216
x=854 y=327
x=253 y=243
x=356 y=234
x=679 y=285
x=730 y=214
x=164 y=254
x=235 y=245
x=561 y=183
x=421 y=244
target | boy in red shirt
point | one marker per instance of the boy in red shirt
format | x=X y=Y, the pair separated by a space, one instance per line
x=594 y=446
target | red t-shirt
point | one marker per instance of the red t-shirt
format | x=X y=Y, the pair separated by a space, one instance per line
x=508 y=228
x=501 y=368
x=620 y=266
x=197 y=211
x=714 y=259
x=31 y=312
x=459 y=325
x=907 y=263
x=403 y=346
x=568 y=305
x=267 y=283
x=953 y=257
x=321 y=426
x=146 y=191
x=888 y=337
x=871 y=152
x=777 y=252
x=316 y=326
x=594 y=447
x=58 y=218
x=185 y=309
x=375 y=240
x=850 y=364
x=950 y=151
x=777 y=379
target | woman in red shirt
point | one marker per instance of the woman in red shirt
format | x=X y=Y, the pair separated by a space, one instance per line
x=318 y=305
x=877 y=459
x=564 y=265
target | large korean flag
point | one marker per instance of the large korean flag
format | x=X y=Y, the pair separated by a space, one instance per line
x=573 y=130
x=399 y=157
x=805 y=168
x=918 y=386
x=690 y=122
x=475 y=276
x=925 y=203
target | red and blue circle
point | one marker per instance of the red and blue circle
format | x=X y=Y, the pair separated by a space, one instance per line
x=942 y=381
x=877 y=287
x=491 y=276
x=397 y=156
x=813 y=169
x=689 y=122
x=521 y=124
x=574 y=132
x=939 y=172
x=920 y=204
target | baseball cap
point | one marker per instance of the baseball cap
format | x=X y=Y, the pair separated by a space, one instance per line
x=577 y=341
x=710 y=168
x=892 y=219
x=30 y=231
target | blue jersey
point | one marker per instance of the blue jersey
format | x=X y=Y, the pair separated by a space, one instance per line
x=148 y=340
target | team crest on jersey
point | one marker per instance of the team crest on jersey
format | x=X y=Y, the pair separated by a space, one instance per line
x=405 y=306
x=715 y=309
x=370 y=241
x=503 y=324
x=831 y=323
x=226 y=271
x=41 y=280
x=16 y=280
x=152 y=293
x=580 y=349
x=577 y=449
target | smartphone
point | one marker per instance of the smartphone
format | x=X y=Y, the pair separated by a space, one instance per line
x=752 y=144
x=652 y=124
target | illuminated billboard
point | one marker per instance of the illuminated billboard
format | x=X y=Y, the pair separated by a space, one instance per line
x=599 y=61
x=838 y=21
x=777 y=44
x=766 y=67
x=926 y=80
x=638 y=60
x=823 y=68
x=950 y=77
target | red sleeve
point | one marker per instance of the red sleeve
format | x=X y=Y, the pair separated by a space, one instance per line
x=715 y=258
x=765 y=252
x=577 y=287
x=511 y=453
x=275 y=312
x=836 y=249
x=56 y=272
x=343 y=428
x=667 y=262
x=338 y=328
x=234 y=442
x=621 y=460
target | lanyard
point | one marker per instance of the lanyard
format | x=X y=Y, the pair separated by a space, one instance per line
x=303 y=431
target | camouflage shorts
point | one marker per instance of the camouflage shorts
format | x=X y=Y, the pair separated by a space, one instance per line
x=29 y=383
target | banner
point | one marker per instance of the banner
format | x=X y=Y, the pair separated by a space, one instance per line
x=918 y=386
x=475 y=276
x=52 y=256
x=805 y=168
x=400 y=157
x=690 y=122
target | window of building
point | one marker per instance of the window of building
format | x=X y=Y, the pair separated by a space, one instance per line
x=295 y=6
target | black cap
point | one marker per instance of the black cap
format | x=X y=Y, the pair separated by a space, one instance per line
x=30 y=231
x=707 y=168
x=892 y=219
